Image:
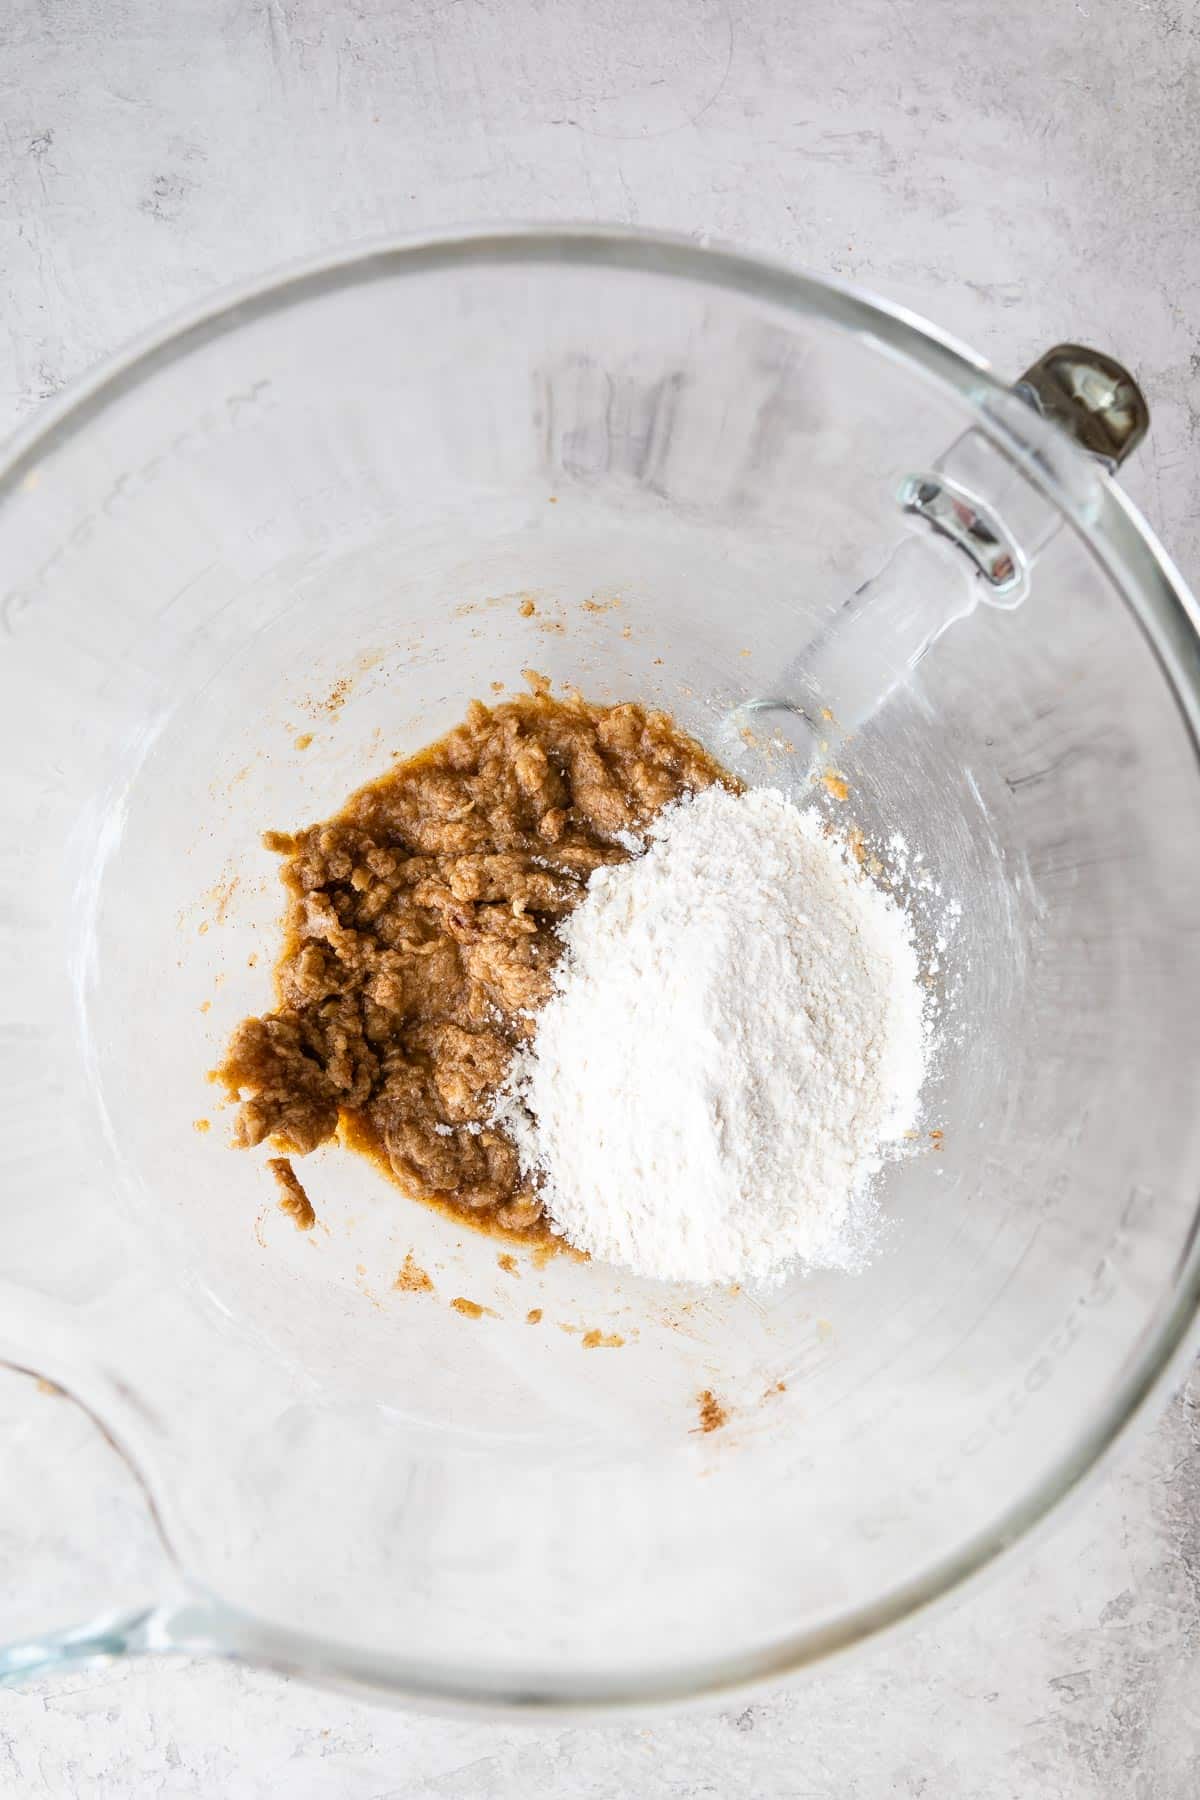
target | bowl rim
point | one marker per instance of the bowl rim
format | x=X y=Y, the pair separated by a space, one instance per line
x=1118 y=537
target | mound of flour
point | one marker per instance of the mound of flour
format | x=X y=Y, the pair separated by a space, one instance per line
x=736 y=1037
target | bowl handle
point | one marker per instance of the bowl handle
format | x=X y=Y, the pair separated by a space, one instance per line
x=986 y=527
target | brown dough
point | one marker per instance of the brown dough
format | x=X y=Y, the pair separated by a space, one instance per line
x=421 y=938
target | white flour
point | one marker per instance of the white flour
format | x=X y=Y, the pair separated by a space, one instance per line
x=736 y=1037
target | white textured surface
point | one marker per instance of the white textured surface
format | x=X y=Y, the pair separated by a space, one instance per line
x=1020 y=173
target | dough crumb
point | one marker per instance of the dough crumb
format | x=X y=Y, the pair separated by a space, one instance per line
x=597 y=1340
x=471 y=1309
x=292 y=1198
x=712 y=1414
x=412 y=1279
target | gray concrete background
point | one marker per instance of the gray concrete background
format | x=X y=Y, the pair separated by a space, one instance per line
x=1018 y=173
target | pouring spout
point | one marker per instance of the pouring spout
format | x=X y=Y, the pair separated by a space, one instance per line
x=137 y=1631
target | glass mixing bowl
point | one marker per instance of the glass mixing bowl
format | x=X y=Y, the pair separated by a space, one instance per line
x=262 y=553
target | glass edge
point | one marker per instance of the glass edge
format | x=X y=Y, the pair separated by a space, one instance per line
x=57 y=420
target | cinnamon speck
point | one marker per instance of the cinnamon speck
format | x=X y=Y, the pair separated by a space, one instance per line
x=205 y=1005
x=599 y=1340
x=202 y=1124
x=304 y=740
x=509 y=1264
x=527 y=608
x=836 y=785
x=534 y=1316
x=412 y=1279
x=553 y=499
x=827 y=713
x=497 y=687
x=292 y=1198
x=937 y=1139
x=712 y=1414
x=48 y=1387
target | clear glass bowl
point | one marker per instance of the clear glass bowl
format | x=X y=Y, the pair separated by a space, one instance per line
x=311 y=510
